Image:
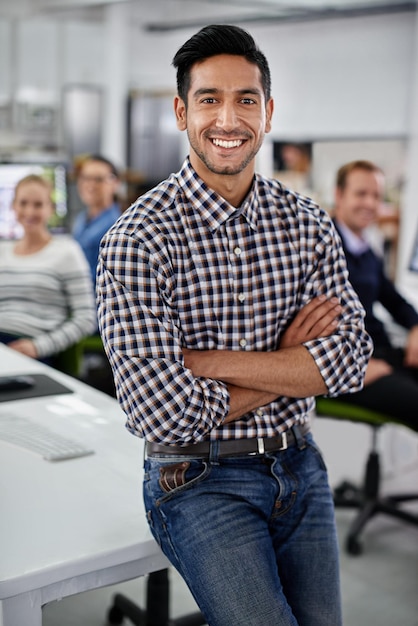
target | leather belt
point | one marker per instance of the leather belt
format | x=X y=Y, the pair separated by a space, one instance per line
x=234 y=447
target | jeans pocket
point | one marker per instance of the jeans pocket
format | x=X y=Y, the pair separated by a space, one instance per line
x=169 y=478
x=173 y=476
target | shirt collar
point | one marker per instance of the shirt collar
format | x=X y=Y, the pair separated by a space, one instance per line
x=212 y=208
x=354 y=244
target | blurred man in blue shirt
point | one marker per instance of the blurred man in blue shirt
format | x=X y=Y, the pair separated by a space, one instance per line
x=98 y=182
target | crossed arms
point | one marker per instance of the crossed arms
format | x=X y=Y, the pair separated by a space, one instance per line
x=255 y=379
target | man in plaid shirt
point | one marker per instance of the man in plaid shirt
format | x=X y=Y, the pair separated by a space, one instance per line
x=224 y=307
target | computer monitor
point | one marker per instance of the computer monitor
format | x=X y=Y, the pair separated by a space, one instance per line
x=10 y=174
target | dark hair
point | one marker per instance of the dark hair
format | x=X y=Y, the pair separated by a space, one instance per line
x=101 y=159
x=346 y=169
x=211 y=41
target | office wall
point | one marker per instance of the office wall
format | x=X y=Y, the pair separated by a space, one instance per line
x=332 y=78
x=42 y=54
x=37 y=58
x=336 y=78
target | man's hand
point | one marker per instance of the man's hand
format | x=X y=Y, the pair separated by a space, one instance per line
x=411 y=349
x=24 y=346
x=319 y=318
x=376 y=368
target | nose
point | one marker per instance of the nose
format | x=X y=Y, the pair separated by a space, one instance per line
x=29 y=211
x=227 y=117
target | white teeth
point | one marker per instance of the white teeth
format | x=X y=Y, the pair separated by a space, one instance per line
x=227 y=144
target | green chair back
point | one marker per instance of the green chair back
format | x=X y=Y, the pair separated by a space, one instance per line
x=336 y=408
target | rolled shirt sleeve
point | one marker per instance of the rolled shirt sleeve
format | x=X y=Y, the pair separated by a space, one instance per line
x=342 y=357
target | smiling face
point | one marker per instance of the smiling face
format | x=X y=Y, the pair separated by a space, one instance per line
x=358 y=203
x=33 y=207
x=97 y=185
x=226 y=117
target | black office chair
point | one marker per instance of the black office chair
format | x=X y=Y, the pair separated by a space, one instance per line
x=96 y=370
x=156 y=612
x=69 y=360
x=367 y=498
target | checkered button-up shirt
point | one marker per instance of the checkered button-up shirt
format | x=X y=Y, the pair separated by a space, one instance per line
x=183 y=268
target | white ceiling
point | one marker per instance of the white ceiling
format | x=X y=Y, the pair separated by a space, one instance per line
x=163 y=15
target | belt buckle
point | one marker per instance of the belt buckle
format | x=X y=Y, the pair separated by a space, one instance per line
x=285 y=444
x=260 y=444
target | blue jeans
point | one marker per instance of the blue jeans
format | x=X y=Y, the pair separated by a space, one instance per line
x=254 y=537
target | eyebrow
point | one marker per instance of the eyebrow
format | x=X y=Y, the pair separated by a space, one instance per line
x=212 y=90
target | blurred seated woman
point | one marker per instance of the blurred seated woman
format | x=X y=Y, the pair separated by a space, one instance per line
x=46 y=293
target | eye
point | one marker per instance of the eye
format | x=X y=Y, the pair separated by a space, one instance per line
x=248 y=101
x=208 y=100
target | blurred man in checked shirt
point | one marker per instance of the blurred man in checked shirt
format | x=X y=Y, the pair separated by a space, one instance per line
x=225 y=308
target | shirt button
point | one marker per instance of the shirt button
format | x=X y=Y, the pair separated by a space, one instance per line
x=259 y=413
x=242 y=343
x=237 y=250
x=241 y=297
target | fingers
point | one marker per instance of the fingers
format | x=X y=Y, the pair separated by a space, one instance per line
x=325 y=318
x=24 y=346
x=318 y=315
x=318 y=318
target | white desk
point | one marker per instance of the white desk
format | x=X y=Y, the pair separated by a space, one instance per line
x=69 y=526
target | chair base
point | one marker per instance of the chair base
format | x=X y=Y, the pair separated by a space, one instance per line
x=369 y=503
x=366 y=499
x=157 y=609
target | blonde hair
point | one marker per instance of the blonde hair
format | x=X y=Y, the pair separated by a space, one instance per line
x=34 y=178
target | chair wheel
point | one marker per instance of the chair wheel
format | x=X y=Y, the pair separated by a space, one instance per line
x=353 y=546
x=115 y=615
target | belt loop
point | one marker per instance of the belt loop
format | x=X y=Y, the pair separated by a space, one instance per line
x=214 y=452
x=300 y=441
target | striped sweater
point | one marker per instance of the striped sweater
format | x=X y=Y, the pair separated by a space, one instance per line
x=47 y=296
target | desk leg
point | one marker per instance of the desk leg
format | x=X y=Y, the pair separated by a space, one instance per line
x=23 y=610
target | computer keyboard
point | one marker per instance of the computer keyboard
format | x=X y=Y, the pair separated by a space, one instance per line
x=27 y=434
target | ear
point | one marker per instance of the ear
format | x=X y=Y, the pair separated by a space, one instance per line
x=116 y=183
x=337 y=196
x=180 y=113
x=269 y=114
